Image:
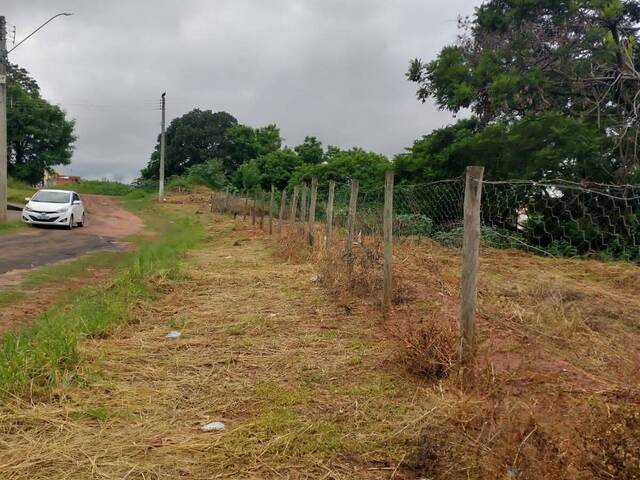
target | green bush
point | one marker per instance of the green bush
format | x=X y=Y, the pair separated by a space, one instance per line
x=96 y=187
x=179 y=182
x=46 y=352
x=413 y=224
x=209 y=174
x=491 y=237
x=449 y=238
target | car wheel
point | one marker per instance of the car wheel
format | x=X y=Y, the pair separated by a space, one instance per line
x=82 y=222
x=70 y=226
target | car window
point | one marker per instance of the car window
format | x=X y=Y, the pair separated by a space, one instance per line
x=51 y=197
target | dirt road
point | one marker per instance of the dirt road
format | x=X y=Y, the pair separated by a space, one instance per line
x=107 y=221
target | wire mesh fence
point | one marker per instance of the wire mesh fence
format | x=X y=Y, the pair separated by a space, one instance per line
x=344 y=226
x=559 y=218
x=552 y=218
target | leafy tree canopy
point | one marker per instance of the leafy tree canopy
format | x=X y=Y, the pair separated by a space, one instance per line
x=246 y=143
x=192 y=139
x=578 y=58
x=342 y=165
x=545 y=145
x=310 y=151
x=39 y=135
x=210 y=174
x=274 y=168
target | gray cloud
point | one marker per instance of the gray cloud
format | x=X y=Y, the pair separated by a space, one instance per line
x=329 y=68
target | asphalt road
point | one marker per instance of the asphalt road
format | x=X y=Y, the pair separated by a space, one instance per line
x=107 y=222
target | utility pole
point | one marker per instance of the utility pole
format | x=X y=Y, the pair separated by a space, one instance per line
x=161 y=186
x=4 y=65
x=3 y=119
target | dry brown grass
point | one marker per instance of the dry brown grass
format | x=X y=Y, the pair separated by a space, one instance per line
x=301 y=385
x=559 y=353
x=313 y=384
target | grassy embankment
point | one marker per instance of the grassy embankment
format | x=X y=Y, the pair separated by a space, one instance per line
x=46 y=351
x=16 y=193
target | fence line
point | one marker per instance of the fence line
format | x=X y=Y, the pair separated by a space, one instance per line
x=554 y=217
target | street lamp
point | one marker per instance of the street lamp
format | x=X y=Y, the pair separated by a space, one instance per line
x=4 y=62
x=63 y=14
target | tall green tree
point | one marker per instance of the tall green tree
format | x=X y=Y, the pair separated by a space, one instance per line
x=577 y=58
x=342 y=165
x=545 y=145
x=246 y=143
x=39 y=134
x=275 y=168
x=210 y=174
x=310 y=151
x=192 y=139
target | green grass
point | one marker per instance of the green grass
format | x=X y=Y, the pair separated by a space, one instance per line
x=49 y=274
x=97 y=187
x=99 y=413
x=46 y=353
x=10 y=296
x=10 y=226
x=17 y=191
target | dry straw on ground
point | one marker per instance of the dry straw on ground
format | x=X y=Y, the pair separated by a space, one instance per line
x=558 y=358
x=312 y=384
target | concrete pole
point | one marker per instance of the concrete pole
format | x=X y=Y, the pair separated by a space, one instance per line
x=162 y=140
x=3 y=120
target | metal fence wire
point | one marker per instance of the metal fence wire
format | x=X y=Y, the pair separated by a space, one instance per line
x=553 y=218
x=560 y=218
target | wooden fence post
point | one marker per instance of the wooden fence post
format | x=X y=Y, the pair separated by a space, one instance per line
x=283 y=204
x=255 y=202
x=226 y=201
x=329 y=225
x=211 y=203
x=351 y=223
x=262 y=203
x=246 y=205
x=470 y=262
x=312 y=209
x=273 y=190
x=388 y=244
x=294 y=204
x=303 y=208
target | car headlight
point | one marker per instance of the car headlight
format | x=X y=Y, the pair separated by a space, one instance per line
x=62 y=210
x=27 y=209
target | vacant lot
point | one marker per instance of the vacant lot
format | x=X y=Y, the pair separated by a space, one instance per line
x=311 y=384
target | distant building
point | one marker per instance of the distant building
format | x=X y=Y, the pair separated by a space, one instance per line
x=55 y=179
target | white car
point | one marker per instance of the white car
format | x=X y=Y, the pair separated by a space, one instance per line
x=54 y=207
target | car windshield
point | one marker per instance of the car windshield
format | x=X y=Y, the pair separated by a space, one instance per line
x=51 y=197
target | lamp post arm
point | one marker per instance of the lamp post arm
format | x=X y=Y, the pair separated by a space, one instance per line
x=37 y=29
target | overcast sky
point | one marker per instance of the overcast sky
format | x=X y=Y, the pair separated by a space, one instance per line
x=330 y=68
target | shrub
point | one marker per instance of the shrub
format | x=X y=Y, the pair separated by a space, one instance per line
x=98 y=187
x=413 y=224
x=426 y=348
x=209 y=174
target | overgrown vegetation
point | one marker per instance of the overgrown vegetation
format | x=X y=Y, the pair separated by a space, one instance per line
x=565 y=111
x=46 y=351
x=18 y=190
x=97 y=187
x=39 y=134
